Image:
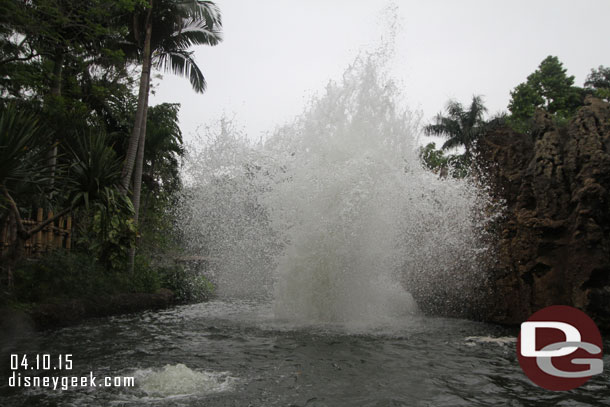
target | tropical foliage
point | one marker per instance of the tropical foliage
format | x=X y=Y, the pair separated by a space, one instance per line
x=460 y=126
x=161 y=33
x=73 y=122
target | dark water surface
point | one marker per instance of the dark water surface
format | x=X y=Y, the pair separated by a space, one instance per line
x=236 y=354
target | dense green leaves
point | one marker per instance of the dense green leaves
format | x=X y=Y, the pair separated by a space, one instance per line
x=525 y=100
x=550 y=88
x=95 y=171
x=164 y=148
x=24 y=144
x=66 y=64
x=67 y=112
x=39 y=38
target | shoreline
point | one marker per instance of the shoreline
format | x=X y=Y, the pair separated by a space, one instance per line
x=73 y=312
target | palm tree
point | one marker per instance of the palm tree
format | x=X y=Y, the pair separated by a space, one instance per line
x=460 y=127
x=170 y=28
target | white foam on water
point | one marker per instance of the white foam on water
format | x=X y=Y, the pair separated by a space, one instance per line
x=179 y=381
x=501 y=340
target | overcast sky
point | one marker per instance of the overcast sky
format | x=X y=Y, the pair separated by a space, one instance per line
x=277 y=53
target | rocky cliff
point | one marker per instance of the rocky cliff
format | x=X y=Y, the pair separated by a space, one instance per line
x=554 y=241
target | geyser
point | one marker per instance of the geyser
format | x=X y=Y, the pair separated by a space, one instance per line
x=333 y=217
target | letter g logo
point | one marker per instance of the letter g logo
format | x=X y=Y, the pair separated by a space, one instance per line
x=555 y=344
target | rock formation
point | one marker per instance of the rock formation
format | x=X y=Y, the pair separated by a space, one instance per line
x=554 y=240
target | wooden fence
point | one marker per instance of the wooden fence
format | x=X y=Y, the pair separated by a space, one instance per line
x=55 y=235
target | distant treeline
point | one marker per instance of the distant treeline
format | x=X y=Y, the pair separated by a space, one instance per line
x=548 y=88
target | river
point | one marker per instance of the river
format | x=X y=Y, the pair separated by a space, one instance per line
x=236 y=353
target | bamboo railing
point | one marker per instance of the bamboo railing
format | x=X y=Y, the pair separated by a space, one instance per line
x=56 y=235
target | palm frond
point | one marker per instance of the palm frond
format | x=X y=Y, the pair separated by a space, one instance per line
x=191 y=33
x=451 y=143
x=434 y=130
x=95 y=170
x=444 y=127
x=476 y=111
x=202 y=10
x=181 y=63
x=24 y=143
x=454 y=109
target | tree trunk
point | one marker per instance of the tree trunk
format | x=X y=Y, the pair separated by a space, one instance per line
x=58 y=67
x=55 y=93
x=146 y=198
x=137 y=178
x=139 y=166
x=134 y=140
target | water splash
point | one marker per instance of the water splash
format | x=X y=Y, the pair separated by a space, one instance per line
x=222 y=217
x=340 y=202
x=333 y=217
x=179 y=380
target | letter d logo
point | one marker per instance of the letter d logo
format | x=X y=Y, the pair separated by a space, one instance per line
x=528 y=338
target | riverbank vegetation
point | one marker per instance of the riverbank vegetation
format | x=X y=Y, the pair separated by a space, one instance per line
x=549 y=89
x=78 y=139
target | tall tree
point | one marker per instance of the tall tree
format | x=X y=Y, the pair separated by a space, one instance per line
x=460 y=126
x=170 y=28
x=550 y=88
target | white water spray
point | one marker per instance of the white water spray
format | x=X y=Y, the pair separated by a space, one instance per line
x=333 y=217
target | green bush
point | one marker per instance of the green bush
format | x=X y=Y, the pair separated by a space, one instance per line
x=108 y=234
x=60 y=275
x=144 y=278
x=188 y=286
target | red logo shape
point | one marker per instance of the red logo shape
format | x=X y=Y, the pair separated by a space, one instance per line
x=560 y=348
